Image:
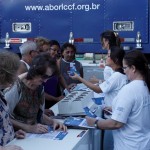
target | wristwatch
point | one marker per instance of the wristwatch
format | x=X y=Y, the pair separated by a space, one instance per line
x=95 y=123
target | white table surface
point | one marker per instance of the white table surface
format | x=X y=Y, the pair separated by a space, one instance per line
x=68 y=143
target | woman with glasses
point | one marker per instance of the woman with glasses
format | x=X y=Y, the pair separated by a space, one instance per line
x=28 y=95
x=52 y=86
x=9 y=64
x=131 y=107
x=54 y=50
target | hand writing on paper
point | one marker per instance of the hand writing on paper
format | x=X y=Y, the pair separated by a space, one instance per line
x=59 y=126
x=39 y=128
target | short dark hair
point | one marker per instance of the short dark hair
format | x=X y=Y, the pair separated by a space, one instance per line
x=65 y=45
x=40 y=64
x=54 y=42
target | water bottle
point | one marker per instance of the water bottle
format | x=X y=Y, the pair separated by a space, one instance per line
x=7 y=44
x=72 y=69
x=138 y=40
x=71 y=39
x=102 y=63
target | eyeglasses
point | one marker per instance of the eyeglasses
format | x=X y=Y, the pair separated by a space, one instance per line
x=124 y=68
x=45 y=76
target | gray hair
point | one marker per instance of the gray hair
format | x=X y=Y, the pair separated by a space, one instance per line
x=28 y=46
x=9 y=65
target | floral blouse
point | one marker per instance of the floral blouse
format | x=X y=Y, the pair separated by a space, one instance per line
x=6 y=128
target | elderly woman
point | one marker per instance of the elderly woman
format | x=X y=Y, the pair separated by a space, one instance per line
x=131 y=107
x=8 y=74
x=28 y=95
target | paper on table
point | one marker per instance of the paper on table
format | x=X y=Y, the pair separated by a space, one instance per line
x=81 y=87
x=98 y=100
x=89 y=113
x=77 y=122
x=55 y=135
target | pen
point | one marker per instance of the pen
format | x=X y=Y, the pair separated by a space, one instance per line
x=81 y=134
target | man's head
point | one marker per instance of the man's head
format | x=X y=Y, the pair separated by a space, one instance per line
x=68 y=52
x=28 y=51
x=28 y=47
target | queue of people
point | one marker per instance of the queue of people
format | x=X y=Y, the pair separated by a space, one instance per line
x=30 y=86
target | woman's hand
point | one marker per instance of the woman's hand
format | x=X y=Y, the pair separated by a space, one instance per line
x=49 y=112
x=94 y=80
x=75 y=76
x=38 y=128
x=90 y=121
x=60 y=98
x=59 y=126
x=108 y=110
x=71 y=86
x=20 y=134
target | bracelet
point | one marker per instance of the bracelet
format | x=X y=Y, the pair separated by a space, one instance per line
x=95 y=123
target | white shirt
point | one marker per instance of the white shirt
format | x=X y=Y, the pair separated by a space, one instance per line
x=28 y=67
x=112 y=85
x=107 y=72
x=132 y=107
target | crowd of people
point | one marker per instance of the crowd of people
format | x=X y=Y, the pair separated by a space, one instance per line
x=34 y=83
